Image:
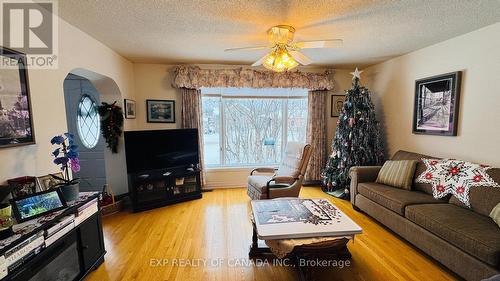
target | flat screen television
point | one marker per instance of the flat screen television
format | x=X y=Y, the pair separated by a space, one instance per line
x=159 y=149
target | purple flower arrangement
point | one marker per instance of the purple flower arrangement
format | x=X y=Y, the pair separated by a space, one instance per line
x=66 y=155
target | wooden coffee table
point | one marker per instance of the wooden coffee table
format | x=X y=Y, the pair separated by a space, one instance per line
x=299 y=218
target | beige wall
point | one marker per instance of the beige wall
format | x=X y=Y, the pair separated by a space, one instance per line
x=154 y=81
x=477 y=55
x=76 y=50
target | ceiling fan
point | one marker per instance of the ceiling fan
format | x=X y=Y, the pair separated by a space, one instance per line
x=284 y=53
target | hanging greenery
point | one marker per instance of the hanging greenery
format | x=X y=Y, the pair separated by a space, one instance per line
x=111 y=124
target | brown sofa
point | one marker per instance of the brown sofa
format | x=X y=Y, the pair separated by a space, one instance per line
x=466 y=240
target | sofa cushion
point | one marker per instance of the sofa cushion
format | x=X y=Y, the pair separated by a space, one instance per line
x=406 y=155
x=471 y=232
x=397 y=173
x=394 y=199
x=482 y=199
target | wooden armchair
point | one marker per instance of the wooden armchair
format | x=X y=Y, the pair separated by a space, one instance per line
x=286 y=181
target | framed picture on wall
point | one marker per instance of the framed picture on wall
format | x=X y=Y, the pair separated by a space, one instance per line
x=16 y=120
x=436 y=104
x=130 y=109
x=160 y=111
x=336 y=104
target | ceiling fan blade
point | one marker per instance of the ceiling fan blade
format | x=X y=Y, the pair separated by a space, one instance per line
x=331 y=43
x=301 y=58
x=260 y=61
x=246 y=48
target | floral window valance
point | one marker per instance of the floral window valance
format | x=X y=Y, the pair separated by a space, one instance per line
x=193 y=77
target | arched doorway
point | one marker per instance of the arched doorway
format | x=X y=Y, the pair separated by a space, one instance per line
x=81 y=99
x=82 y=89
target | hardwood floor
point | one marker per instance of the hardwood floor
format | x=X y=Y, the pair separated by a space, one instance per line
x=216 y=230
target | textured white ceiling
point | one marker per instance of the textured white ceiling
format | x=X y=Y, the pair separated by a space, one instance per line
x=191 y=31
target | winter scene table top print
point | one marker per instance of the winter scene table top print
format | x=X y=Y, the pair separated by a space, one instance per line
x=287 y=218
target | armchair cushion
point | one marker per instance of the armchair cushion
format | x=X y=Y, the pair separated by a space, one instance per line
x=258 y=188
x=293 y=159
x=259 y=182
x=283 y=179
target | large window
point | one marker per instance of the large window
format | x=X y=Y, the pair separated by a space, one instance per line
x=244 y=127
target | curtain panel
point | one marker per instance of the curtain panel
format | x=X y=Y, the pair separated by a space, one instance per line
x=316 y=135
x=193 y=77
x=191 y=118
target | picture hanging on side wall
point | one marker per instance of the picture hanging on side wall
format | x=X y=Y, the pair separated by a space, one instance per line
x=16 y=120
x=336 y=104
x=436 y=105
x=129 y=109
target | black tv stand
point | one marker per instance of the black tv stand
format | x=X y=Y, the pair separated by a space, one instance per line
x=157 y=188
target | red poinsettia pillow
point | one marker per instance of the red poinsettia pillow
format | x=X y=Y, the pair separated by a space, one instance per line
x=450 y=176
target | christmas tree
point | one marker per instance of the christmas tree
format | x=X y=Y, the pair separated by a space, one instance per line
x=357 y=140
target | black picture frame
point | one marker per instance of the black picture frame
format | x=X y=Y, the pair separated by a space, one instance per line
x=15 y=205
x=160 y=117
x=335 y=102
x=436 y=104
x=10 y=126
x=130 y=109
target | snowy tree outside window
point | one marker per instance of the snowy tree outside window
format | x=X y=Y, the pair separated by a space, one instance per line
x=244 y=127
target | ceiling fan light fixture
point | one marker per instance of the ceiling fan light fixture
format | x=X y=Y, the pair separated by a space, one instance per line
x=279 y=60
x=281 y=34
x=284 y=52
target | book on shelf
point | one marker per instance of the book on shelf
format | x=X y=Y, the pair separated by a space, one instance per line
x=22 y=250
x=189 y=180
x=53 y=238
x=86 y=213
x=87 y=205
x=22 y=260
x=59 y=225
x=3 y=267
x=179 y=181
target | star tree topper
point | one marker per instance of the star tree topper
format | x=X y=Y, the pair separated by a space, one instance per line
x=356 y=74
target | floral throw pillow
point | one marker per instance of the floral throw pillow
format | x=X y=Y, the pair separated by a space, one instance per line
x=450 y=176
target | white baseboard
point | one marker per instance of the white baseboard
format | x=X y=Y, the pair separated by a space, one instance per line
x=220 y=185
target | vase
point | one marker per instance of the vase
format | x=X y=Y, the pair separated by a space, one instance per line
x=70 y=192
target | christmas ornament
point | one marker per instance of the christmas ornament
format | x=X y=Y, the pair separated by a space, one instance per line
x=454 y=177
x=351 y=122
